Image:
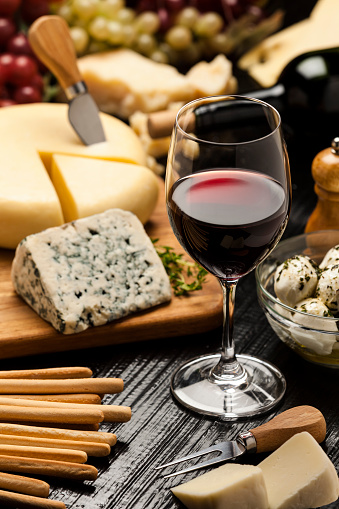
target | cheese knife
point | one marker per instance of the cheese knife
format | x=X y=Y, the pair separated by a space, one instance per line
x=265 y=438
x=51 y=41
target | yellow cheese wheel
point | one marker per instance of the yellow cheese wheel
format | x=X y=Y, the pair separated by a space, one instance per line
x=90 y=186
x=30 y=135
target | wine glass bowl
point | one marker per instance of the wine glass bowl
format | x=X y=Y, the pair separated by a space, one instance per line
x=228 y=200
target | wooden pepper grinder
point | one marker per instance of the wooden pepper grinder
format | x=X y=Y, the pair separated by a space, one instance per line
x=325 y=172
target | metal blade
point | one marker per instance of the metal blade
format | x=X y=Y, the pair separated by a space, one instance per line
x=84 y=117
x=227 y=450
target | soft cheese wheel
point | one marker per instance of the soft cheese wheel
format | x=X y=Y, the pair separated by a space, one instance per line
x=115 y=185
x=299 y=475
x=30 y=135
x=230 y=486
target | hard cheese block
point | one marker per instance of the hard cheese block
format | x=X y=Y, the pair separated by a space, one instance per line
x=122 y=81
x=90 y=272
x=30 y=135
x=88 y=186
x=299 y=475
x=230 y=486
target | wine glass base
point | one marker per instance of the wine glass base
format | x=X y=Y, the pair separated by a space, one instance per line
x=193 y=387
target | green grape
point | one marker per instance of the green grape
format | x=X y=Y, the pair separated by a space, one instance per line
x=80 y=39
x=159 y=56
x=220 y=43
x=148 y=22
x=97 y=47
x=146 y=44
x=208 y=24
x=192 y=54
x=85 y=9
x=65 y=11
x=125 y=15
x=110 y=8
x=129 y=35
x=115 y=33
x=188 y=17
x=98 y=28
x=179 y=37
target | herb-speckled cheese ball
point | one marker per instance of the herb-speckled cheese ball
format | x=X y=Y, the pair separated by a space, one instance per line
x=295 y=280
x=330 y=258
x=328 y=287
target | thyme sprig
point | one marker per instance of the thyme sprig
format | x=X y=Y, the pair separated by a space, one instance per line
x=184 y=276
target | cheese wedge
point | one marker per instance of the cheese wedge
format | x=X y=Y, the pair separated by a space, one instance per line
x=30 y=136
x=266 y=61
x=230 y=486
x=299 y=475
x=122 y=81
x=90 y=186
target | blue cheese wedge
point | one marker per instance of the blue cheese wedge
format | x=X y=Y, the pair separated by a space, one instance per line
x=90 y=272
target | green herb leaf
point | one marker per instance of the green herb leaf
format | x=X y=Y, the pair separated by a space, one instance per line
x=184 y=276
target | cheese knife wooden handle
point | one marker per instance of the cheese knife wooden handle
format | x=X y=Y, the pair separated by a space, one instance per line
x=274 y=433
x=52 y=43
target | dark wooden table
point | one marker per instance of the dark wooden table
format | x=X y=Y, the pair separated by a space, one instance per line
x=160 y=429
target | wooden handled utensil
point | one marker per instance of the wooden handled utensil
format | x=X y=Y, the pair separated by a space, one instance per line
x=264 y=438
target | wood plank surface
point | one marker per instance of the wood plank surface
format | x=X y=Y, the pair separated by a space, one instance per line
x=23 y=332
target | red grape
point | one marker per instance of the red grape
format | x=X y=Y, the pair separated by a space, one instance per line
x=22 y=70
x=6 y=102
x=27 y=94
x=7 y=30
x=33 y=9
x=6 y=65
x=8 y=7
x=37 y=82
x=19 y=45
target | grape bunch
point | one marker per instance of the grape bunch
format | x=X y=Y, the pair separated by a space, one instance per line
x=170 y=31
x=21 y=74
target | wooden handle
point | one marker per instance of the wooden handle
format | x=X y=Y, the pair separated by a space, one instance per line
x=274 y=433
x=51 y=41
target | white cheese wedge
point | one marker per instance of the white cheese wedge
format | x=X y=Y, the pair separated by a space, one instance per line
x=30 y=136
x=90 y=186
x=230 y=486
x=266 y=61
x=90 y=272
x=122 y=81
x=299 y=475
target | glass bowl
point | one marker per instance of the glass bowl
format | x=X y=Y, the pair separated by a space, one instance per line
x=315 y=338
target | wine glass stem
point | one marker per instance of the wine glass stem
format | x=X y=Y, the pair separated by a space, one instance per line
x=228 y=368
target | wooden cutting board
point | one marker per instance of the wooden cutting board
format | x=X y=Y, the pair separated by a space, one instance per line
x=23 y=332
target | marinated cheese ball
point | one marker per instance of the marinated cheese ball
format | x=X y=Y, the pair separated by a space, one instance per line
x=328 y=287
x=322 y=332
x=330 y=258
x=295 y=279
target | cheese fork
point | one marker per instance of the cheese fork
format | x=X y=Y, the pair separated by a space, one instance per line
x=264 y=438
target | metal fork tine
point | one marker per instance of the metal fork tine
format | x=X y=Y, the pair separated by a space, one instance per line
x=213 y=448
x=218 y=459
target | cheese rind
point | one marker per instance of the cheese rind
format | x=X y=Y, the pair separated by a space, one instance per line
x=88 y=186
x=90 y=272
x=299 y=475
x=230 y=486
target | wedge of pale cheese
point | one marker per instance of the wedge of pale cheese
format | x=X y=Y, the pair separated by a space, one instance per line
x=266 y=61
x=122 y=81
x=30 y=136
x=299 y=475
x=115 y=185
x=230 y=486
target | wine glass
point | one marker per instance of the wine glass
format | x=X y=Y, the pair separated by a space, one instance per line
x=228 y=194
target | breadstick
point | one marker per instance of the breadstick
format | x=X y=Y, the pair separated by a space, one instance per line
x=22 y=484
x=65 y=469
x=48 y=373
x=59 y=425
x=19 y=501
x=91 y=399
x=63 y=434
x=76 y=385
x=112 y=413
x=44 y=453
x=54 y=415
x=90 y=448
